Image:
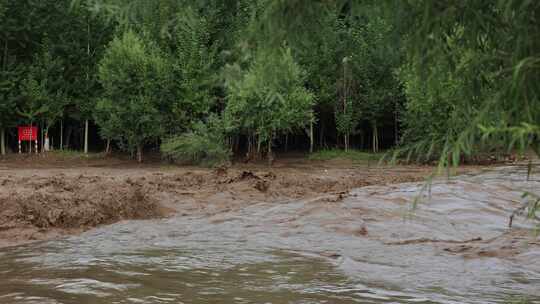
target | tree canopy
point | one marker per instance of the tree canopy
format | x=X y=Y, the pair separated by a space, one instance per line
x=429 y=79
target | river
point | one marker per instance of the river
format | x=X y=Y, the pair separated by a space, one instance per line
x=370 y=247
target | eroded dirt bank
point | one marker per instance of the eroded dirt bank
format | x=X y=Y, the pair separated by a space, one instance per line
x=45 y=199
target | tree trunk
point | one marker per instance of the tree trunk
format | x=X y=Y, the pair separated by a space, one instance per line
x=346 y=136
x=396 y=132
x=42 y=137
x=321 y=134
x=68 y=135
x=311 y=139
x=3 y=141
x=87 y=83
x=269 y=153
x=139 y=153
x=3 y=131
x=30 y=141
x=375 y=138
x=236 y=147
x=250 y=146
x=108 y=147
x=62 y=134
x=86 y=136
x=287 y=142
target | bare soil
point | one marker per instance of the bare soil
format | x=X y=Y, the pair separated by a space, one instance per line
x=43 y=197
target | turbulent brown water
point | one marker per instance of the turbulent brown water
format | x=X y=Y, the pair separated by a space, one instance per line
x=455 y=247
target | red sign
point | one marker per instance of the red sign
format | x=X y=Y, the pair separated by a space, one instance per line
x=28 y=133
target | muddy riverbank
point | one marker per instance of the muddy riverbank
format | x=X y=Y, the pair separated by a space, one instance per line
x=44 y=198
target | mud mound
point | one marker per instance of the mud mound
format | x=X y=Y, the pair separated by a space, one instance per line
x=69 y=203
x=45 y=210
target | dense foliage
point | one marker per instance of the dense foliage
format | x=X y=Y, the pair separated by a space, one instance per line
x=204 y=144
x=269 y=98
x=474 y=66
x=135 y=80
x=214 y=78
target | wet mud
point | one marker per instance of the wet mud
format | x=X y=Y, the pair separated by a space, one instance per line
x=46 y=202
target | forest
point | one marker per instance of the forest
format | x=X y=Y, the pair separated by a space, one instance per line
x=202 y=81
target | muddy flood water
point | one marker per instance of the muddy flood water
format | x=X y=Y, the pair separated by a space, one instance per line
x=368 y=247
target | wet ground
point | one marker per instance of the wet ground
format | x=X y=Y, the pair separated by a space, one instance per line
x=366 y=246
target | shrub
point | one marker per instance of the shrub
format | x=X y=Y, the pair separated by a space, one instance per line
x=204 y=144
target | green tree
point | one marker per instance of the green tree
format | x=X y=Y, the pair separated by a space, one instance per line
x=134 y=75
x=367 y=85
x=16 y=47
x=321 y=58
x=9 y=77
x=375 y=61
x=194 y=71
x=269 y=98
x=33 y=101
x=49 y=72
x=82 y=45
x=109 y=122
x=346 y=107
x=496 y=74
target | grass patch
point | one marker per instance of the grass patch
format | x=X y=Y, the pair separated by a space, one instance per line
x=355 y=156
x=73 y=154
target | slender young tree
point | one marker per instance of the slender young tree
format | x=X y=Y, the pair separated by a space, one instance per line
x=134 y=76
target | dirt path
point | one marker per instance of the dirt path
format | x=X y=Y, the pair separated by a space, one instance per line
x=43 y=198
